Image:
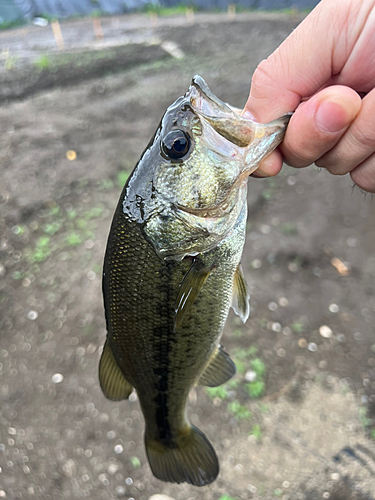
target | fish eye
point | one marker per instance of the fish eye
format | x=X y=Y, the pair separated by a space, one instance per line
x=176 y=144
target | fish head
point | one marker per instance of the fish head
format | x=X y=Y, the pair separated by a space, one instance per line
x=189 y=188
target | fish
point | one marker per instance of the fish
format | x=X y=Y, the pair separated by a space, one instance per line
x=172 y=270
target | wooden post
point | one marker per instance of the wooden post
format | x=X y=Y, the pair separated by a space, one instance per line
x=231 y=10
x=189 y=14
x=97 y=28
x=55 y=25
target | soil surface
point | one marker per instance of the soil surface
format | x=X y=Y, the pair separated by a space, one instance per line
x=305 y=388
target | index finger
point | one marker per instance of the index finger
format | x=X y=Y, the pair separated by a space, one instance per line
x=307 y=59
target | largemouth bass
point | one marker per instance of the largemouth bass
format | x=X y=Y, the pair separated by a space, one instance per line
x=172 y=271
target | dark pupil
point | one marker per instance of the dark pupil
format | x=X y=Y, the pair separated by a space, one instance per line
x=176 y=144
x=179 y=145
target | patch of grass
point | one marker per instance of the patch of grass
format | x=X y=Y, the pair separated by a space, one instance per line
x=122 y=177
x=363 y=417
x=227 y=497
x=155 y=8
x=289 y=229
x=97 y=268
x=255 y=389
x=297 y=327
x=256 y=431
x=54 y=210
x=43 y=62
x=241 y=367
x=73 y=239
x=136 y=463
x=93 y=213
x=52 y=228
x=240 y=412
x=6 y=25
x=41 y=251
x=218 y=392
x=259 y=367
x=278 y=492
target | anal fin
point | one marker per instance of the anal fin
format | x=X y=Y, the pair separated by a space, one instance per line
x=190 y=287
x=112 y=381
x=219 y=369
x=241 y=296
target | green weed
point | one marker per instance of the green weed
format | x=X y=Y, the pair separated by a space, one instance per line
x=255 y=389
x=136 y=463
x=218 y=392
x=227 y=497
x=297 y=327
x=43 y=62
x=240 y=412
x=93 y=213
x=41 y=251
x=73 y=240
x=289 y=229
x=256 y=431
x=259 y=367
x=52 y=228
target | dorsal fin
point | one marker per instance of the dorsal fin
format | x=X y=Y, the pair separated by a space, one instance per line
x=112 y=381
x=219 y=369
x=241 y=296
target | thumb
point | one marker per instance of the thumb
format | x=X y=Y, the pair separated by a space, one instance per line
x=304 y=62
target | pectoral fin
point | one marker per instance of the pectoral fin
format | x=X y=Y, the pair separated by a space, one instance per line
x=240 y=299
x=113 y=383
x=219 y=369
x=190 y=287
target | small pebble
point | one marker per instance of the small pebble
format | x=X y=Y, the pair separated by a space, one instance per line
x=312 y=347
x=250 y=375
x=112 y=469
x=287 y=331
x=283 y=301
x=292 y=266
x=57 y=378
x=265 y=229
x=335 y=476
x=129 y=481
x=341 y=337
x=302 y=343
x=291 y=180
x=32 y=315
x=325 y=331
x=118 y=448
x=276 y=327
x=326 y=494
x=91 y=275
x=281 y=352
x=272 y=306
x=120 y=490
x=334 y=308
x=111 y=434
x=256 y=264
x=286 y=484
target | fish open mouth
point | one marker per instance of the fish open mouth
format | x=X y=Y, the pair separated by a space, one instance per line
x=228 y=123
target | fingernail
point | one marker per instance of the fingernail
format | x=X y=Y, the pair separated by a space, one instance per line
x=331 y=117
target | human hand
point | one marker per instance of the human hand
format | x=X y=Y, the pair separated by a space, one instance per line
x=319 y=71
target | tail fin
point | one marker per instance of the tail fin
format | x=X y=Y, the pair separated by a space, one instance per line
x=190 y=458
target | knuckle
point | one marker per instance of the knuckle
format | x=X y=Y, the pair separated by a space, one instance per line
x=365 y=135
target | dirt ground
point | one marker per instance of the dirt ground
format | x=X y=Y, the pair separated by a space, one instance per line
x=305 y=391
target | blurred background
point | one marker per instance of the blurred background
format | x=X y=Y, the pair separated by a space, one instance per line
x=80 y=98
